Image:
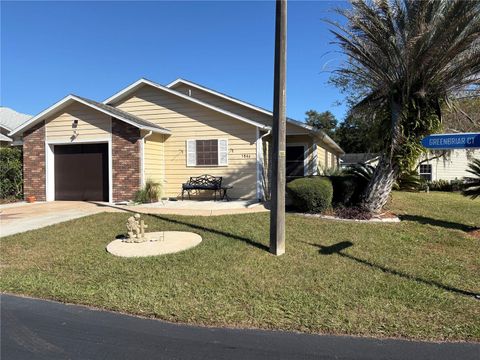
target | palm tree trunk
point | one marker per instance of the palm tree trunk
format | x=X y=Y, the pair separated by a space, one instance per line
x=380 y=186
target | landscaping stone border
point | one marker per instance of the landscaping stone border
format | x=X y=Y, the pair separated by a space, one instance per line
x=374 y=219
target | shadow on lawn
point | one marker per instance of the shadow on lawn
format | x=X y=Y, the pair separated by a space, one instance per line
x=214 y=231
x=338 y=247
x=202 y=228
x=435 y=222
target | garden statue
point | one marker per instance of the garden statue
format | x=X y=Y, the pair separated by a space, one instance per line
x=135 y=228
x=136 y=231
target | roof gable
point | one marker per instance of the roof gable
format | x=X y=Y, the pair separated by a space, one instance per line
x=142 y=82
x=106 y=109
x=309 y=129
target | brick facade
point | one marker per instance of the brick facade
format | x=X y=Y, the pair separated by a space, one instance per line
x=125 y=160
x=34 y=162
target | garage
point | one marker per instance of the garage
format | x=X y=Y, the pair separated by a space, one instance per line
x=81 y=172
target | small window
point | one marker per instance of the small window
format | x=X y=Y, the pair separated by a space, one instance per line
x=425 y=171
x=212 y=152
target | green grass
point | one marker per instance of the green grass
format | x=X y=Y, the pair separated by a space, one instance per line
x=411 y=279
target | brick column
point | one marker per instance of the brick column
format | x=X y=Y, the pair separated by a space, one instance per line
x=34 y=162
x=125 y=160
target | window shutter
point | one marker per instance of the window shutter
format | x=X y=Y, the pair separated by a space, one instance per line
x=222 y=152
x=191 y=153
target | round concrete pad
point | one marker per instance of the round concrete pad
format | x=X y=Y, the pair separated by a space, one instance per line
x=170 y=242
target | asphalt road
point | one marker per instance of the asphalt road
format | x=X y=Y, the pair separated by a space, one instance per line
x=36 y=329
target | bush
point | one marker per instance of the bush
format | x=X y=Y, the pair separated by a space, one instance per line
x=409 y=181
x=347 y=189
x=11 y=173
x=472 y=185
x=312 y=194
x=149 y=193
x=445 y=185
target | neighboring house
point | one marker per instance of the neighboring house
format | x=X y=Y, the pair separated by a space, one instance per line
x=80 y=149
x=351 y=159
x=439 y=165
x=447 y=165
x=9 y=120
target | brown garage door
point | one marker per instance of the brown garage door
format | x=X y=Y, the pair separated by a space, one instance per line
x=81 y=172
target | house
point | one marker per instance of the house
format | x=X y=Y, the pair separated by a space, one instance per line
x=9 y=120
x=351 y=159
x=435 y=165
x=81 y=149
x=447 y=165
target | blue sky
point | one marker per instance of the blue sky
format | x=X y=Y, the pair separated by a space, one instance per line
x=93 y=49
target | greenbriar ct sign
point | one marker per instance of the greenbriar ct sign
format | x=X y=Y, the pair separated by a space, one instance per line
x=452 y=141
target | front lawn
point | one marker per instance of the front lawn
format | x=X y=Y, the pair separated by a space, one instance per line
x=415 y=279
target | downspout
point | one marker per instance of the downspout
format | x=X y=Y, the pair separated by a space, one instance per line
x=261 y=171
x=142 y=157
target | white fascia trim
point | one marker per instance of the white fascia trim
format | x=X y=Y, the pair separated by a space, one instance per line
x=70 y=98
x=186 y=82
x=41 y=115
x=264 y=111
x=142 y=82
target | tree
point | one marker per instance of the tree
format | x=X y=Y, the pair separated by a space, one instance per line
x=359 y=134
x=405 y=59
x=324 y=121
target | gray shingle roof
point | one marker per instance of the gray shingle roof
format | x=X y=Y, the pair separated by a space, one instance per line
x=10 y=119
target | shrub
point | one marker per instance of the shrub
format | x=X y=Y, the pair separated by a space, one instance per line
x=312 y=194
x=11 y=173
x=330 y=171
x=347 y=189
x=445 y=185
x=472 y=186
x=362 y=171
x=149 y=193
x=409 y=181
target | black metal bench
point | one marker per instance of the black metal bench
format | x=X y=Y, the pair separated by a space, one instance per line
x=204 y=182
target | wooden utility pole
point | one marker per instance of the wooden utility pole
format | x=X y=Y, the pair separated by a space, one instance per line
x=277 y=211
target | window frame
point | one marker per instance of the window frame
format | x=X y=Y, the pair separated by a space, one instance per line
x=428 y=176
x=219 y=153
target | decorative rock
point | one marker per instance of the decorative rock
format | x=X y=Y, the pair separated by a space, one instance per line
x=155 y=243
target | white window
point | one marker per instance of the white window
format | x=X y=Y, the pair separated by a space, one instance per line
x=425 y=171
x=211 y=152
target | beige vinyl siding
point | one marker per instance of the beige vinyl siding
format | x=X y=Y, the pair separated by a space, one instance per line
x=187 y=121
x=224 y=104
x=321 y=157
x=154 y=159
x=92 y=124
x=235 y=108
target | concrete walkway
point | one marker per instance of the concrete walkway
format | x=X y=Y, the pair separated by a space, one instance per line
x=20 y=217
x=37 y=329
x=197 y=208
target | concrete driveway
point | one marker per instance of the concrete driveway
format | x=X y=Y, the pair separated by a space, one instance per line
x=20 y=217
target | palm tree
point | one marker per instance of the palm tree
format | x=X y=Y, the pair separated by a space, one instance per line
x=472 y=187
x=406 y=59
